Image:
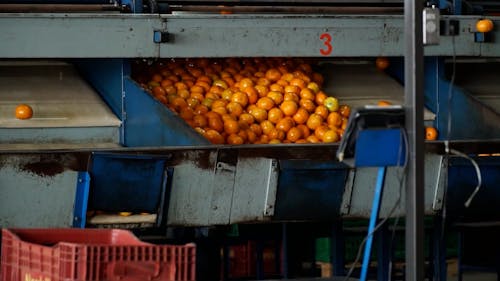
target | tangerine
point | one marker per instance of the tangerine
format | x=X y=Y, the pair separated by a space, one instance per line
x=23 y=111
x=431 y=133
x=289 y=107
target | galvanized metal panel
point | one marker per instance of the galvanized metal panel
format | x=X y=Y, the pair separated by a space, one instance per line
x=201 y=191
x=255 y=188
x=90 y=35
x=364 y=186
x=60 y=135
x=213 y=35
x=32 y=198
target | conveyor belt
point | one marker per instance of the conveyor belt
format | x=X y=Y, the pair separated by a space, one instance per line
x=66 y=109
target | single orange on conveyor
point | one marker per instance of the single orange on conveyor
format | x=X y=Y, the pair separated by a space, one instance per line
x=431 y=133
x=24 y=111
x=383 y=103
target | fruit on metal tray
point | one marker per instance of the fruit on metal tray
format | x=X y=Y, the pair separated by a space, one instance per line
x=237 y=101
x=23 y=111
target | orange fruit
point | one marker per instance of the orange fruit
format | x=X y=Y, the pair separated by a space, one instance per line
x=186 y=113
x=275 y=115
x=313 y=86
x=294 y=134
x=285 y=124
x=318 y=78
x=251 y=136
x=240 y=98
x=245 y=82
x=197 y=89
x=291 y=97
x=345 y=110
x=183 y=93
x=334 y=119
x=259 y=114
x=227 y=94
x=274 y=141
x=301 y=116
x=308 y=105
x=170 y=90
x=166 y=82
x=282 y=83
x=231 y=126
x=312 y=139
x=330 y=136
x=216 y=124
x=252 y=94
x=431 y=133
x=157 y=78
x=158 y=91
x=277 y=97
x=320 y=131
x=264 y=139
x=23 y=111
x=266 y=126
x=382 y=63
x=235 y=139
x=214 y=137
x=320 y=98
x=322 y=111
x=273 y=74
x=292 y=89
x=264 y=82
x=219 y=103
x=234 y=108
x=203 y=84
x=383 y=103
x=220 y=83
x=262 y=90
x=162 y=99
x=276 y=134
x=484 y=25
x=314 y=121
x=289 y=108
x=200 y=109
x=257 y=129
x=207 y=102
x=331 y=103
x=200 y=121
x=247 y=118
x=299 y=82
x=179 y=103
x=307 y=93
x=276 y=87
x=305 y=130
x=198 y=96
x=265 y=103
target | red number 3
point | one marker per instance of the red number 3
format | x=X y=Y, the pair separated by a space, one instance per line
x=327 y=41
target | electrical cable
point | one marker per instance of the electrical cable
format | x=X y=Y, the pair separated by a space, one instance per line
x=392 y=210
x=448 y=150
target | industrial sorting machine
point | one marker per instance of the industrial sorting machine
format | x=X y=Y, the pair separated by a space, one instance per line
x=99 y=142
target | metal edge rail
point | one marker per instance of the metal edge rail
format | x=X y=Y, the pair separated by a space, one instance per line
x=97 y=35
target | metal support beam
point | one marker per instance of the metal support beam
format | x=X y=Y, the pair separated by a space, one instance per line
x=414 y=104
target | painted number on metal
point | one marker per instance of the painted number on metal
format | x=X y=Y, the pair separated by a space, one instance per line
x=326 y=38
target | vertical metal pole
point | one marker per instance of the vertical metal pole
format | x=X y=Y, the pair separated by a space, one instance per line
x=377 y=199
x=414 y=104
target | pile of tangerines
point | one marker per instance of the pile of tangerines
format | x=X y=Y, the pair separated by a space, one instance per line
x=256 y=101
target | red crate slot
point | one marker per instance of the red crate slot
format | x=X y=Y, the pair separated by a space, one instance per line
x=91 y=255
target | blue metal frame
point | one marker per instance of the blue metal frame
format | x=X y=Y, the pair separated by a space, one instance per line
x=377 y=198
x=150 y=123
x=81 y=200
x=470 y=118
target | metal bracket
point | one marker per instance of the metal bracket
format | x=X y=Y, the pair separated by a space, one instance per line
x=439 y=192
x=271 y=188
x=345 y=207
x=160 y=36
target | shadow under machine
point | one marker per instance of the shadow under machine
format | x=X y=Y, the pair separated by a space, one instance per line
x=99 y=144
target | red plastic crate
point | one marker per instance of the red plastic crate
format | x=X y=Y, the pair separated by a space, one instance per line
x=91 y=255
